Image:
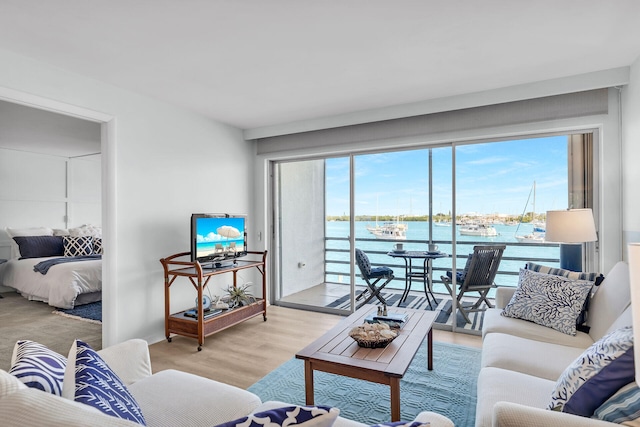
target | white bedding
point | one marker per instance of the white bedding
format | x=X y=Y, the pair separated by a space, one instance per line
x=63 y=286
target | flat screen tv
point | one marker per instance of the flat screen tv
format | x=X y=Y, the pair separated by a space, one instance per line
x=218 y=237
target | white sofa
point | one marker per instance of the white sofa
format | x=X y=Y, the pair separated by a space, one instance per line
x=167 y=398
x=521 y=361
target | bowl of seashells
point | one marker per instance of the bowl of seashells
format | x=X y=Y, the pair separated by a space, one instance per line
x=373 y=335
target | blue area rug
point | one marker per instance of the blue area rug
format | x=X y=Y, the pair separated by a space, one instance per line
x=91 y=312
x=450 y=389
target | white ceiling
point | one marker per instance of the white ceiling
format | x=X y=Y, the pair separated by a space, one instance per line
x=258 y=63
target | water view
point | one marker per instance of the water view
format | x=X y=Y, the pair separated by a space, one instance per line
x=417 y=236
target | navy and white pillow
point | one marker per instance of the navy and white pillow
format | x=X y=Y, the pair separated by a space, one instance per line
x=38 y=367
x=596 y=375
x=77 y=246
x=89 y=380
x=299 y=416
x=596 y=278
x=548 y=300
x=97 y=246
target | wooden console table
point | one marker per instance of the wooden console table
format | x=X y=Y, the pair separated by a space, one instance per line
x=179 y=324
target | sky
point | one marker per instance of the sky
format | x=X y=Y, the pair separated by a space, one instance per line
x=495 y=177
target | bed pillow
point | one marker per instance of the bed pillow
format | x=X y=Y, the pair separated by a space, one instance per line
x=596 y=278
x=60 y=232
x=548 y=300
x=33 y=231
x=89 y=380
x=39 y=246
x=77 y=246
x=97 y=246
x=86 y=230
x=38 y=367
x=299 y=416
x=596 y=375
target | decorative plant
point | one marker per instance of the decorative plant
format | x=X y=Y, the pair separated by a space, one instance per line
x=239 y=295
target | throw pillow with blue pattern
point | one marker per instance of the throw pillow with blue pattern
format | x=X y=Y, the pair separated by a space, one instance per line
x=596 y=375
x=89 y=380
x=548 y=300
x=596 y=278
x=307 y=416
x=622 y=407
x=38 y=367
x=77 y=246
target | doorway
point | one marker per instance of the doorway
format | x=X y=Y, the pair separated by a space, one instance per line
x=106 y=163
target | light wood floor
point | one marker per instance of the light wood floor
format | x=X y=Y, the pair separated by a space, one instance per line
x=245 y=353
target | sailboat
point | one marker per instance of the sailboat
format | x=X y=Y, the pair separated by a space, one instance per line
x=538 y=233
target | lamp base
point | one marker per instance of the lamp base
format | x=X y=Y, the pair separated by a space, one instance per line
x=571 y=256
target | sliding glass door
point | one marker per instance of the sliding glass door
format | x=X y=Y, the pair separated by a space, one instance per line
x=452 y=197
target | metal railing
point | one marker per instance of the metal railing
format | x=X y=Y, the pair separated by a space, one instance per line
x=516 y=255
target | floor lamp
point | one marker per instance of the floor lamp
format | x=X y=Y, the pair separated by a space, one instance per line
x=634 y=279
x=571 y=228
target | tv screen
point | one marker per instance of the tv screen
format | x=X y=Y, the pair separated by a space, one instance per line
x=218 y=237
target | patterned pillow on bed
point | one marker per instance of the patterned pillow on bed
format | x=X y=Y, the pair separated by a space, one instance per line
x=97 y=246
x=38 y=367
x=78 y=246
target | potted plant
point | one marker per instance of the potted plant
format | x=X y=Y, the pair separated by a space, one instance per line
x=238 y=296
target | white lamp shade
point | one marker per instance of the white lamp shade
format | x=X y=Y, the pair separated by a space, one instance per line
x=571 y=226
x=634 y=279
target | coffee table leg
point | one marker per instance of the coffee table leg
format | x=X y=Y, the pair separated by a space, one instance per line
x=430 y=350
x=394 y=383
x=308 y=382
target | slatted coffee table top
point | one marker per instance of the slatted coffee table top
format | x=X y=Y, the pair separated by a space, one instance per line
x=338 y=348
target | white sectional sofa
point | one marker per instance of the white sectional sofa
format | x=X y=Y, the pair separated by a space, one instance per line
x=167 y=398
x=522 y=361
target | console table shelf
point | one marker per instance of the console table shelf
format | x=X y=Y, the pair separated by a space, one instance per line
x=179 y=324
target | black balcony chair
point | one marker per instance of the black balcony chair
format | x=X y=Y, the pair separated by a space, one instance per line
x=372 y=276
x=478 y=276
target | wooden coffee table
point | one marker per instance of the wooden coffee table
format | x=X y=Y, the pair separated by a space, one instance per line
x=337 y=353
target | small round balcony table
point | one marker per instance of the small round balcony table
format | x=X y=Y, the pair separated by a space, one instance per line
x=423 y=271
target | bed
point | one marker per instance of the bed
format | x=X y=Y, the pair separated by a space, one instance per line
x=73 y=266
x=65 y=285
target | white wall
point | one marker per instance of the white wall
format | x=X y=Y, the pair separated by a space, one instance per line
x=631 y=157
x=164 y=163
x=302 y=208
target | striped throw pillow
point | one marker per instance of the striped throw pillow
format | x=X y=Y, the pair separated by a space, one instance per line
x=623 y=406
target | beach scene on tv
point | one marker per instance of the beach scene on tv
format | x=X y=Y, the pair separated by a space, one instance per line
x=219 y=236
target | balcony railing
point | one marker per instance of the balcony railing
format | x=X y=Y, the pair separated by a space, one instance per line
x=337 y=265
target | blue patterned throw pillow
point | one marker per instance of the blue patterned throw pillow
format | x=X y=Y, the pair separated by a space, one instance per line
x=89 y=380
x=622 y=407
x=548 y=300
x=38 y=367
x=97 y=245
x=307 y=416
x=596 y=375
x=78 y=246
